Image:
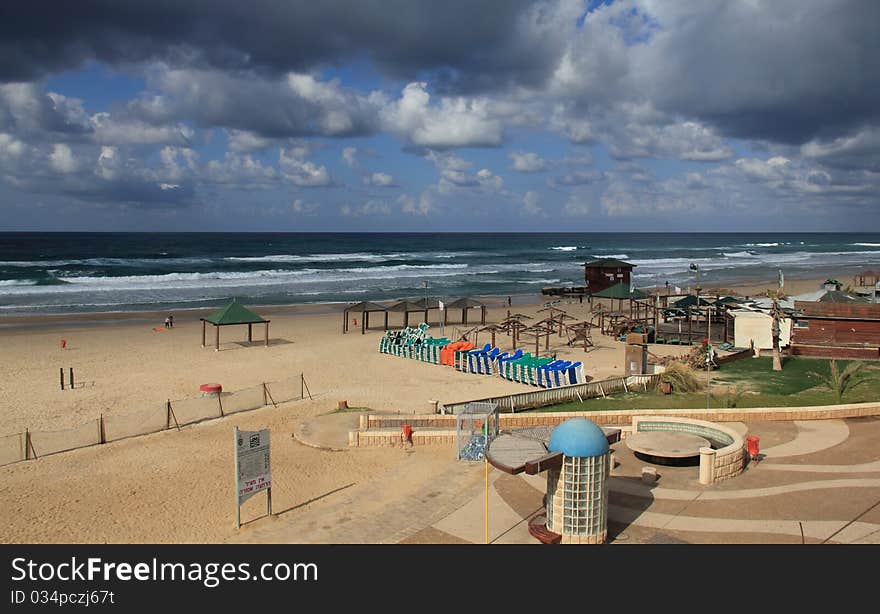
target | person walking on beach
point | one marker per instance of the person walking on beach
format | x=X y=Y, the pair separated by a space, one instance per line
x=508 y=301
x=168 y=322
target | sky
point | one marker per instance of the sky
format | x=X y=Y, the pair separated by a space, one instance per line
x=462 y=115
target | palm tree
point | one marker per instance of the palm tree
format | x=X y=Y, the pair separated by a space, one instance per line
x=841 y=382
x=776 y=314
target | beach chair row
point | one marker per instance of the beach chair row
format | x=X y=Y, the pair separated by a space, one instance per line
x=413 y=343
x=541 y=371
x=521 y=367
x=516 y=366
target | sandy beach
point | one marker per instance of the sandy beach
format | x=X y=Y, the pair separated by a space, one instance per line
x=175 y=486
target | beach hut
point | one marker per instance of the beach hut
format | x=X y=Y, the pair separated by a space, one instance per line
x=468 y=303
x=233 y=314
x=365 y=308
x=605 y=273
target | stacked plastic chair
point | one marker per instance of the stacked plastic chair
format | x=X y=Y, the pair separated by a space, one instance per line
x=413 y=343
x=518 y=366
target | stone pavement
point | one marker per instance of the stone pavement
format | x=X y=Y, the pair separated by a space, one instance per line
x=817 y=481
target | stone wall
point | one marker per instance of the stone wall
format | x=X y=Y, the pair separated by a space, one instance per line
x=717 y=464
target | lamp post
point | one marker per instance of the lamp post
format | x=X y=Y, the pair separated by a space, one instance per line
x=425 y=284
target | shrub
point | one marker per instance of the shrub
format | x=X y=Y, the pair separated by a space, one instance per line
x=681 y=376
x=839 y=382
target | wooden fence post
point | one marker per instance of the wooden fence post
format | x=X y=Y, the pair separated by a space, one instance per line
x=101 y=429
x=29 y=452
x=61 y=373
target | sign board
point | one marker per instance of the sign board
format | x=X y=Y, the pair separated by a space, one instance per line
x=252 y=468
x=252 y=454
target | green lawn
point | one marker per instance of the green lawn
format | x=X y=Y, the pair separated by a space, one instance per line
x=758 y=384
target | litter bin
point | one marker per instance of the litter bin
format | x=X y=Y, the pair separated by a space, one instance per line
x=752 y=444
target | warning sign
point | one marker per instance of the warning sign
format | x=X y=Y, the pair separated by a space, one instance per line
x=252 y=463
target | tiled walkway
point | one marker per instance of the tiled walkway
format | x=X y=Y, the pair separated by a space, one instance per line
x=783 y=499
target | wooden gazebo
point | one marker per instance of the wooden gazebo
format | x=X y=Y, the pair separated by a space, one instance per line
x=465 y=304
x=233 y=314
x=406 y=307
x=867 y=278
x=621 y=292
x=365 y=308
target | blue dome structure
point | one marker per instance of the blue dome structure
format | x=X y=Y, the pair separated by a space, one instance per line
x=578 y=437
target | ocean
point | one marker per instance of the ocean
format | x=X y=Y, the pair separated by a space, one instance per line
x=52 y=273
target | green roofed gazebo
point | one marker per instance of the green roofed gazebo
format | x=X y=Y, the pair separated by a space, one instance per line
x=234 y=313
x=364 y=308
x=622 y=292
x=691 y=301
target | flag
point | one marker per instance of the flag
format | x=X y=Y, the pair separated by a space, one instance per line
x=781 y=279
x=677 y=290
x=442 y=307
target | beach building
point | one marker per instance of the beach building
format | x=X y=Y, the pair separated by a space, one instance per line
x=605 y=273
x=834 y=329
x=757 y=326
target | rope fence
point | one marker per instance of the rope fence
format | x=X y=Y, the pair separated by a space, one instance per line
x=30 y=444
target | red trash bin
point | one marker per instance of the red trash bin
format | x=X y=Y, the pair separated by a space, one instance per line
x=752 y=443
x=407 y=431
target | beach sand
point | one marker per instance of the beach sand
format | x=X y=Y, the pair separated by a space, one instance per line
x=176 y=486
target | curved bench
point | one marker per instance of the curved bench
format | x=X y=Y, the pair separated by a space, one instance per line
x=723 y=460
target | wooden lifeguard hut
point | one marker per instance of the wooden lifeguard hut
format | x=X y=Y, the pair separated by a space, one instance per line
x=606 y=272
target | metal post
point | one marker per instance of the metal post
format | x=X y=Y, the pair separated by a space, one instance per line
x=487 y=500
x=235 y=482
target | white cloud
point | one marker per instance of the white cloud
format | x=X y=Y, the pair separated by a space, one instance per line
x=576 y=206
x=62 y=159
x=527 y=162
x=455 y=173
x=530 y=204
x=241 y=171
x=423 y=206
x=300 y=207
x=10 y=147
x=109 y=163
x=381 y=180
x=110 y=130
x=453 y=122
x=349 y=156
x=301 y=172
x=370 y=208
x=245 y=141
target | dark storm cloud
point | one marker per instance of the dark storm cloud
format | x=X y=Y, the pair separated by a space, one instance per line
x=472 y=44
x=785 y=70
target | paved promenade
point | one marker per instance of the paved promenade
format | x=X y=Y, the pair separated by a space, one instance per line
x=818 y=481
